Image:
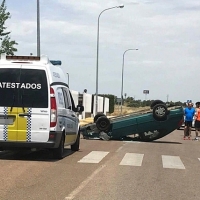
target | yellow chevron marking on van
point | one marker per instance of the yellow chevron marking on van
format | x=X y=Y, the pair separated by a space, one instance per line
x=12 y=129
x=17 y=131
x=70 y=138
x=22 y=126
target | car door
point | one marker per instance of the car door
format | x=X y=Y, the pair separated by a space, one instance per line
x=70 y=124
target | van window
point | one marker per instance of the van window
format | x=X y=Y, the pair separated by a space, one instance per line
x=23 y=88
x=60 y=98
x=8 y=94
x=72 y=101
x=67 y=100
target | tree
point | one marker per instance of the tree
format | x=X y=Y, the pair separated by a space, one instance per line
x=7 y=45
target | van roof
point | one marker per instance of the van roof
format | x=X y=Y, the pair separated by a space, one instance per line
x=44 y=60
x=56 y=74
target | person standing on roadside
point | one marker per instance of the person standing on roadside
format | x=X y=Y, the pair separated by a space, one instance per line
x=189 y=113
x=197 y=120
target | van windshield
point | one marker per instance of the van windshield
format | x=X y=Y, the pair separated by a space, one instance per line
x=23 y=88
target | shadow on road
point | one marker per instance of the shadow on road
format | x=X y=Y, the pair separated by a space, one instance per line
x=166 y=142
x=25 y=155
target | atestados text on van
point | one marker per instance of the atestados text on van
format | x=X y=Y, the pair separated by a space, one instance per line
x=8 y=85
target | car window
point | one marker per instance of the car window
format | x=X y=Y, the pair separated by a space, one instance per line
x=23 y=88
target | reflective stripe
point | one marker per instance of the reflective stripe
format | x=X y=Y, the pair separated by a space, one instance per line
x=28 y=129
x=12 y=130
x=22 y=125
x=20 y=130
x=70 y=138
x=5 y=127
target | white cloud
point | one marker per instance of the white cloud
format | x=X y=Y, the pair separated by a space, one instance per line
x=166 y=33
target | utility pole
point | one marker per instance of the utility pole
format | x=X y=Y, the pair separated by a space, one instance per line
x=38 y=28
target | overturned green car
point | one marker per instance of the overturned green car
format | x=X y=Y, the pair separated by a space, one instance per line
x=152 y=125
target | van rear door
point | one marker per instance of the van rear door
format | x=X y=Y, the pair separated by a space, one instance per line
x=9 y=81
x=34 y=112
x=24 y=100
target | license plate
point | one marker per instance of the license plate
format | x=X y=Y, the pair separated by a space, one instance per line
x=6 y=121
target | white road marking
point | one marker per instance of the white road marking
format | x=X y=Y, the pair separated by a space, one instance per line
x=93 y=157
x=73 y=194
x=132 y=159
x=132 y=141
x=172 y=162
x=120 y=148
x=199 y=159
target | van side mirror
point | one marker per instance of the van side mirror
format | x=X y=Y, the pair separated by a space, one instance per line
x=80 y=108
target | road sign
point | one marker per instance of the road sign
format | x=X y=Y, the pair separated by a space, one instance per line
x=189 y=101
x=145 y=91
x=119 y=100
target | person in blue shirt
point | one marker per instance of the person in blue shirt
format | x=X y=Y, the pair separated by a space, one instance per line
x=189 y=113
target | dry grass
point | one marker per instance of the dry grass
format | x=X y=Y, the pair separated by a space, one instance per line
x=86 y=121
x=128 y=110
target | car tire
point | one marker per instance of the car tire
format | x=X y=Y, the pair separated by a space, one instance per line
x=76 y=145
x=103 y=123
x=59 y=152
x=160 y=112
x=155 y=103
x=97 y=116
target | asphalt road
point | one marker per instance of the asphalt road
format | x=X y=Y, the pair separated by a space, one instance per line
x=106 y=170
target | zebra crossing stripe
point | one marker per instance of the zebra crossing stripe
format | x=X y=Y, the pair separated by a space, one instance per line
x=132 y=159
x=172 y=162
x=93 y=157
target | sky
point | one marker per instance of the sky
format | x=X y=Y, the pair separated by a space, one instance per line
x=166 y=34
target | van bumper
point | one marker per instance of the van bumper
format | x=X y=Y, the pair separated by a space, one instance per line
x=53 y=142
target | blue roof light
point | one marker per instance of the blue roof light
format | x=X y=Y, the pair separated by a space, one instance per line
x=56 y=62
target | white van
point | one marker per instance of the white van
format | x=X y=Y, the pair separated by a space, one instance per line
x=36 y=106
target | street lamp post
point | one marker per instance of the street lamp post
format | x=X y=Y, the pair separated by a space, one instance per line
x=123 y=76
x=38 y=28
x=68 y=78
x=97 y=61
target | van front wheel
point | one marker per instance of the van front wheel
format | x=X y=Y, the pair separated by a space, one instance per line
x=59 y=152
x=75 y=146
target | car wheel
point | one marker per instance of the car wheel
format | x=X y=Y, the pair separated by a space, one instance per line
x=59 y=152
x=97 y=116
x=155 y=103
x=103 y=123
x=160 y=112
x=75 y=146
